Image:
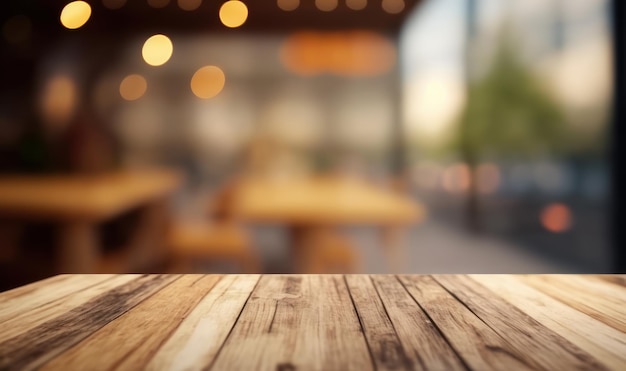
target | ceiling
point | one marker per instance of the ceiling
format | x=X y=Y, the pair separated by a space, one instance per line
x=107 y=28
x=136 y=16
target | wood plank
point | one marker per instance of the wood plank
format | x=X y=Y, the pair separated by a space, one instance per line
x=27 y=320
x=41 y=295
x=46 y=341
x=478 y=345
x=199 y=337
x=612 y=278
x=605 y=343
x=30 y=288
x=133 y=338
x=549 y=350
x=388 y=352
x=602 y=301
x=297 y=322
x=419 y=336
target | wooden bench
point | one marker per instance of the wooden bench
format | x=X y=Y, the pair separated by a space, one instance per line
x=325 y=250
x=191 y=242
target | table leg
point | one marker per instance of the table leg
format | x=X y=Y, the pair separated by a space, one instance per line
x=79 y=251
x=10 y=235
x=147 y=247
x=298 y=247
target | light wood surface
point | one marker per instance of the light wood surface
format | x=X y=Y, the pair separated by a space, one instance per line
x=79 y=203
x=315 y=322
x=320 y=201
x=83 y=197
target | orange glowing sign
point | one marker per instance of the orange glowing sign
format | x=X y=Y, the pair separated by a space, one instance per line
x=350 y=53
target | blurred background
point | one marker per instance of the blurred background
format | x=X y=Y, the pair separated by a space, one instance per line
x=311 y=136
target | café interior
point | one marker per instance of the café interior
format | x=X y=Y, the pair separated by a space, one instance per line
x=297 y=136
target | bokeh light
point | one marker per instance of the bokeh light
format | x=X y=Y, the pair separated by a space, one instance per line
x=157 y=50
x=58 y=101
x=356 y=4
x=233 y=13
x=393 y=6
x=189 y=5
x=133 y=87
x=556 y=217
x=288 y=5
x=158 y=3
x=487 y=178
x=347 y=53
x=456 y=178
x=17 y=29
x=113 y=4
x=208 y=82
x=75 y=14
x=326 y=5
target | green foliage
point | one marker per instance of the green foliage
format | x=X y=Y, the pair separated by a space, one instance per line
x=509 y=114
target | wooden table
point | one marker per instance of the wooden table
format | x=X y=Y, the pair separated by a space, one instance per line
x=305 y=205
x=315 y=201
x=315 y=322
x=78 y=203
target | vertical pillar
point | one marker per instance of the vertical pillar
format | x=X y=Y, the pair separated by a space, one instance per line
x=398 y=152
x=618 y=153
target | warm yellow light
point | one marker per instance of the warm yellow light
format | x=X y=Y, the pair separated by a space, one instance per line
x=133 y=87
x=189 y=5
x=58 y=101
x=556 y=218
x=233 y=13
x=208 y=82
x=75 y=14
x=356 y=4
x=288 y=5
x=393 y=6
x=326 y=5
x=113 y=4
x=157 y=50
x=158 y=3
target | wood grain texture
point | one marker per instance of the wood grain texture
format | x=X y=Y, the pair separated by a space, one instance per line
x=294 y=322
x=618 y=280
x=387 y=351
x=590 y=296
x=200 y=336
x=596 y=338
x=478 y=344
x=314 y=322
x=51 y=338
x=550 y=350
x=26 y=320
x=427 y=347
x=37 y=296
x=137 y=334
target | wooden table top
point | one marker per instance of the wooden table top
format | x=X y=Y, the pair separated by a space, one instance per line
x=321 y=201
x=83 y=196
x=315 y=322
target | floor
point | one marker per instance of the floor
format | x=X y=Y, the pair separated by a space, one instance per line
x=433 y=248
